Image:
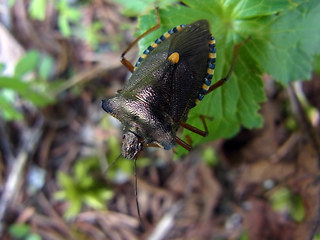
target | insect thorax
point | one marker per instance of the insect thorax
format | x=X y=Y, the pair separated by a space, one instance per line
x=148 y=124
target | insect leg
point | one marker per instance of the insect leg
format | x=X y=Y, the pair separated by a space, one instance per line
x=197 y=130
x=194 y=129
x=202 y=133
x=189 y=139
x=234 y=59
x=124 y=61
x=183 y=144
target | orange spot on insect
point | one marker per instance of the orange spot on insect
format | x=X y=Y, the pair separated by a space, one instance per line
x=174 y=57
x=205 y=87
x=212 y=55
x=210 y=71
x=166 y=35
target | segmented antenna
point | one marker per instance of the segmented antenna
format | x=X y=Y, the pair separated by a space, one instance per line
x=136 y=191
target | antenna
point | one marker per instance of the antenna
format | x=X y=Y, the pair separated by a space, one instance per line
x=136 y=191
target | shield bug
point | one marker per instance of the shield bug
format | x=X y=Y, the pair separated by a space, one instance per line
x=172 y=76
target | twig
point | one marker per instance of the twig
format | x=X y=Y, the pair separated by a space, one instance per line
x=5 y=148
x=90 y=74
x=167 y=222
x=313 y=138
x=304 y=121
x=285 y=148
x=12 y=186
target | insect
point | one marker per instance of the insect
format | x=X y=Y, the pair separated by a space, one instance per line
x=172 y=76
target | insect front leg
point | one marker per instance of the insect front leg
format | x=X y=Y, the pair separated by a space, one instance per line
x=127 y=63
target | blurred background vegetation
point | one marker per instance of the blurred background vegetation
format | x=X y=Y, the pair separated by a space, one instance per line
x=61 y=173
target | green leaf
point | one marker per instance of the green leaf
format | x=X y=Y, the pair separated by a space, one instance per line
x=284 y=36
x=317 y=237
x=138 y=7
x=37 y=9
x=19 y=230
x=209 y=156
x=8 y=110
x=143 y=162
x=244 y=236
x=284 y=200
x=94 y=202
x=66 y=14
x=60 y=195
x=285 y=48
x=65 y=180
x=83 y=187
x=2 y=67
x=25 y=90
x=73 y=14
x=27 y=63
x=33 y=236
x=45 y=67
x=73 y=209
x=106 y=194
x=258 y=8
x=238 y=101
x=316 y=64
x=11 y=2
x=64 y=26
x=297 y=208
x=91 y=34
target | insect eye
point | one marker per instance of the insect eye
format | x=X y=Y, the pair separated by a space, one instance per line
x=123 y=136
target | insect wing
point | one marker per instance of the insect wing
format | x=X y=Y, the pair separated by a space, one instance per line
x=192 y=45
x=151 y=82
x=173 y=87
